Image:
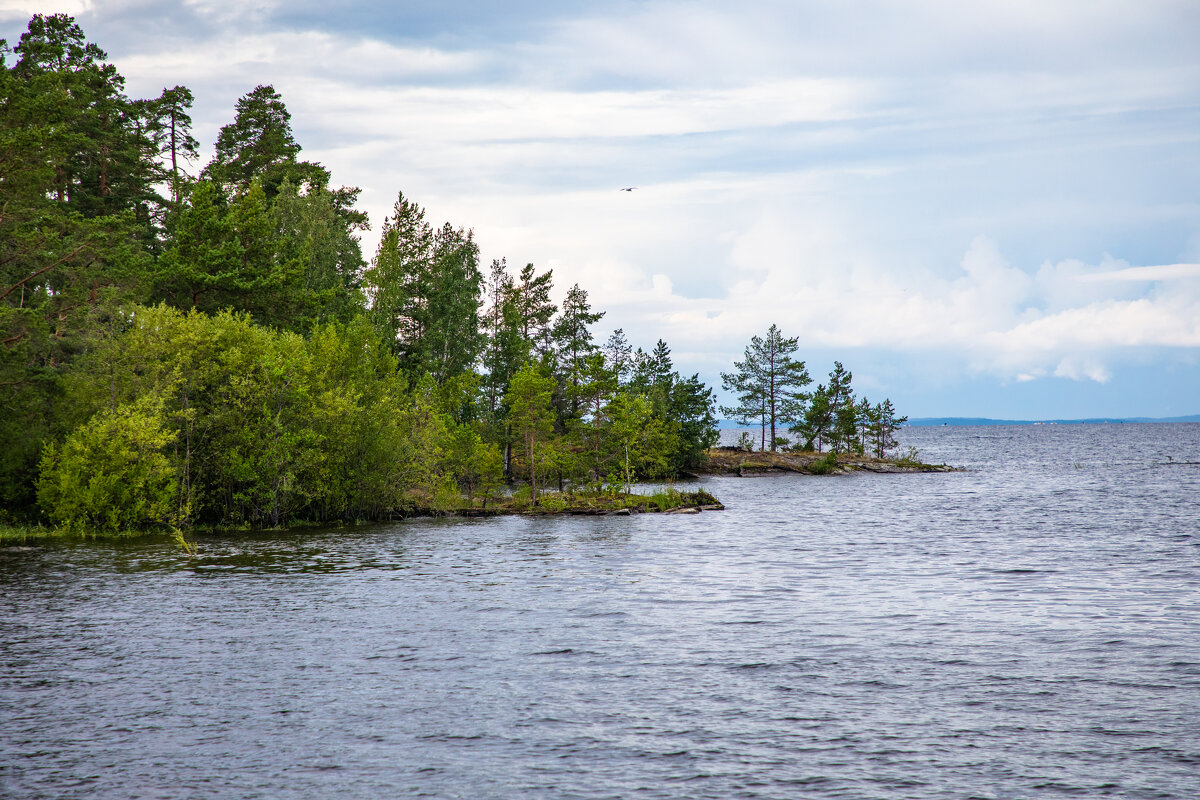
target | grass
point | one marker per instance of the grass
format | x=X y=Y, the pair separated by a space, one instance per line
x=824 y=466
x=19 y=534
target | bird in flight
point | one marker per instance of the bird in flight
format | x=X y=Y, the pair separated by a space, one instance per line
x=629 y=188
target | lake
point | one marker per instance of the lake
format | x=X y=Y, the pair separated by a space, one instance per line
x=1029 y=627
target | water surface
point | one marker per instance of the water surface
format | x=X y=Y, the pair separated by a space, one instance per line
x=1027 y=628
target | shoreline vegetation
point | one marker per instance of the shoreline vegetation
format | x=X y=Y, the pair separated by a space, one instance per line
x=567 y=503
x=199 y=350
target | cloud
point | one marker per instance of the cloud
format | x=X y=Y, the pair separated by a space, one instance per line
x=934 y=180
x=1141 y=274
x=20 y=11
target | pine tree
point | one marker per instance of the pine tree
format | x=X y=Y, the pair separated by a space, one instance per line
x=77 y=214
x=618 y=354
x=397 y=274
x=312 y=232
x=532 y=297
x=746 y=385
x=814 y=427
x=884 y=424
x=170 y=126
x=573 y=346
x=768 y=383
x=505 y=349
x=257 y=144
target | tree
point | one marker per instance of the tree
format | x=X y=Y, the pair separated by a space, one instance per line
x=424 y=288
x=532 y=298
x=230 y=256
x=814 y=426
x=314 y=235
x=573 y=346
x=451 y=335
x=532 y=418
x=746 y=385
x=112 y=473
x=632 y=428
x=842 y=417
x=257 y=144
x=618 y=354
x=170 y=127
x=76 y=218
x=690 y=408
x=396 y=276
x=769 y=378
x=505 y=348
x=883 y=425
x=832 y=414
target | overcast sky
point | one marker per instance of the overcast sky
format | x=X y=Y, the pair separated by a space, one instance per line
x=981 y=209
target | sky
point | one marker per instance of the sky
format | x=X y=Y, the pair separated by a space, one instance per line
x=981 y=209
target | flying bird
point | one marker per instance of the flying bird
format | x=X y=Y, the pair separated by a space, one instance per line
x=629 y=188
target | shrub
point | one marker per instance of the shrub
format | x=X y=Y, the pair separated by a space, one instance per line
x=552 y=501
x=909 y=458
x=521 y=498
x=824 y=466
x=111 y=473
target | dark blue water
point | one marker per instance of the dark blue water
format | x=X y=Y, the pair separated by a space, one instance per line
x=1027 y=628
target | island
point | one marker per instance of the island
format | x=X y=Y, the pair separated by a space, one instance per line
x=741 y=462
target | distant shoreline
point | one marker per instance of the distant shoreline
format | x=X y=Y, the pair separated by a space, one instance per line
x=926 y=422
x=923 y=422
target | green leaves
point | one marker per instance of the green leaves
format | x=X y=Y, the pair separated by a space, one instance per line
x=425 y=290
x=114 y=472
x=258 y=144
x=768 y=384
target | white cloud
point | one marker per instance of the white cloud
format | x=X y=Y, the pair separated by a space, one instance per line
x=926 y=177
x=1163 y=272
x=21 y=10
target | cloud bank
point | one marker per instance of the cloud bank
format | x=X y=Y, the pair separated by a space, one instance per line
x=1002 y=191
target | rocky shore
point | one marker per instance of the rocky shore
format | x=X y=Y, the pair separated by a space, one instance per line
x=732 y=461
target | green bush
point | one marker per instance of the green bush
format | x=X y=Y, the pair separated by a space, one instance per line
x=824 y=466
x=447 y=497
x=521 y=498
x=112 y=473
x=552 y=502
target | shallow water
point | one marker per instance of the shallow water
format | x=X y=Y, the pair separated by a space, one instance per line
x=1027 y=628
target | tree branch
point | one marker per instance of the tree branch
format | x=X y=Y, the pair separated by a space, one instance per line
x=41 y=271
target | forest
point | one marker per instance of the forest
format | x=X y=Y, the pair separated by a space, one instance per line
x=184 y=346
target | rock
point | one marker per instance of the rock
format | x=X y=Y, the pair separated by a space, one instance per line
x=685 y=510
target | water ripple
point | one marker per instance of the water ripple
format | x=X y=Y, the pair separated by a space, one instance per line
x=1027 y=628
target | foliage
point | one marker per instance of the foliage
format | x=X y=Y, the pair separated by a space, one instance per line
x=112 y=473
x=768 y=384
x=824 y=465
x=532 y=419
x=425 y=293
x=212 y=349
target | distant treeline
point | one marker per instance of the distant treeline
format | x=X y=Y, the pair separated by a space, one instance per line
x=953 y=421
x=211 y=347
